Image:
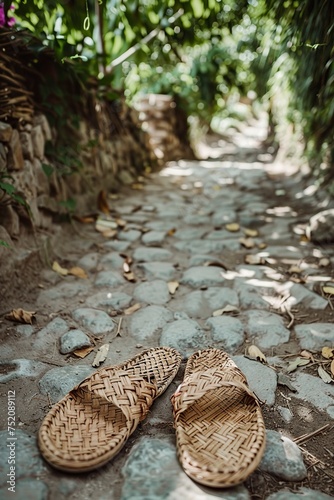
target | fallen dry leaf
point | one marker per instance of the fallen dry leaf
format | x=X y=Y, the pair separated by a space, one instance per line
x=78 y=272
x=294 y=270
x=106 y=226
x=173 y=286
x=325 y=376
x=82 y=353
x=132 y=309
x=332 y=367
x=130 y=277
x=226 y=309
x=327 y=352
x=261 y=246
x=233 y=227
x=171 y=232
x=293 y=365
x=58 y=269
x=324 y=262
x=247 y=242
x=85 y=219
x=328 y=289
x=307 y=354
x=255 y=352
x=137 y=186
x=101 y=355
x=21 y=316
x=121 y=222
x=251 y=232
x=126 y=267
x=254 y=259
x=102 y=202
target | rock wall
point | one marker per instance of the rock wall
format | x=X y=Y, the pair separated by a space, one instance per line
x=108 y=156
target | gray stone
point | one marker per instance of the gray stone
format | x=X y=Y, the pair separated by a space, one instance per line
x=26 y=489
x=67 y=486
x=283 y=458
x=315 y=391
x=95 y=321
x=227 y=333
x=200 y=276
x=6 y=132
x=20 y=368
x=249 y=296
x=116 y=300
x=184 y=335
x=315 y=336
x=72 y=340
x=89 y=261
x=145 y=323
x=160 y=225
x=27 y=147
x=192 y=233
x=152 y=471
x=50 y=333
x=151 y=254
x=63 y=291
x=266 y=329
x=119 y=246
x=25 y=330
x=303 y=493
x=15 y=160
x=224 y=216
x=223 y=234
x=28 y=460
x=284 y=251
x=261 y=379
x=57 y=382
x=152 y=292
x=112 y=260
x=109 y=278
x=160 y=270
x=199 y=259
x=207 y=246
x=285 y=413
x=298 y=294
x=197 y=219
x=131 y=235
x=38 y=141
x=153 y=238
x=218 y=297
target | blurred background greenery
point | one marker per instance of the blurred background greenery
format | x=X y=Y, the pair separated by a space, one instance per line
x=209 y=54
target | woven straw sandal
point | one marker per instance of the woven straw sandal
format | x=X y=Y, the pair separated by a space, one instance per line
x=91 y=423
x=220 y=433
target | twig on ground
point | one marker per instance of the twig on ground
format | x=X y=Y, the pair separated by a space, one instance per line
x=306 y=437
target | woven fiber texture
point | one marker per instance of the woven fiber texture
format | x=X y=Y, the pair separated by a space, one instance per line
x=220 y=433
x=91 y=424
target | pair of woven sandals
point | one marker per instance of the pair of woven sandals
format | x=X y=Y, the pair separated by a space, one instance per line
x=220 y=433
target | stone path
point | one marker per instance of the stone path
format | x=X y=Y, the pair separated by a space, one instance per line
x=178 y=230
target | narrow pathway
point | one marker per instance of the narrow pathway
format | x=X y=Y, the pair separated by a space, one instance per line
x=218 y=258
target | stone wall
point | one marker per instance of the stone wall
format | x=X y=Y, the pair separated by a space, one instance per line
x=107 y=159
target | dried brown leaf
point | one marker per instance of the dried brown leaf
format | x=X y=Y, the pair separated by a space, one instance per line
x=293 y=365
x=82 y=353
x=130 y=277
x=328 y=352
x=101 y=355
x=78 y=272
x=325 y=376
x=121 y=223
x=132 y=309
x=126 y=267
x=254 y=259
x=295 y=270
x=102 y=202
x=255 y=352
x=307 y=354
x=226 y=309
x=251 y=232
x=328 y=289
x=58 y=269
x=171 y=232
x=173 y=286
x=332 y=367
x=324 y=262
x=247 y=242
x=233 y=227
x=21 y=316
